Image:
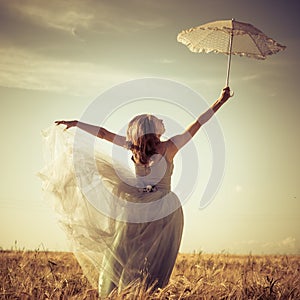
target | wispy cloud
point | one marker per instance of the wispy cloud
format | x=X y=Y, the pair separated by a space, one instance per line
x=41 y=50
x=287 y=245
x=74 y=15
x=65 y=19
x=21 y=69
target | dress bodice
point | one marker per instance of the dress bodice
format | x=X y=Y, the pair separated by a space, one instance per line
x=157 y=174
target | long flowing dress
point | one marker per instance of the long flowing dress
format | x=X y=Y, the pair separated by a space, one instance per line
x=138 y=233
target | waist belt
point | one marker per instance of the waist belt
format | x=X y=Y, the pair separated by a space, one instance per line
x=148 y=189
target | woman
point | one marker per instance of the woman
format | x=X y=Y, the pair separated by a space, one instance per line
x=142 y=244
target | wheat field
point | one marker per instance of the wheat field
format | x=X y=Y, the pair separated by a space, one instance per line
x=57 y=275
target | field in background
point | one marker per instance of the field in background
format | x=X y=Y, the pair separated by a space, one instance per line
x=57 y=275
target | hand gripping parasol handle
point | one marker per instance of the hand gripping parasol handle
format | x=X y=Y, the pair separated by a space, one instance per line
x=229 y=56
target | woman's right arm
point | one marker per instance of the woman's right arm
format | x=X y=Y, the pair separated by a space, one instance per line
x=97 y=131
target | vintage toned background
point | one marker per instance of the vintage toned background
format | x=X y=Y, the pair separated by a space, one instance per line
x=57 y=56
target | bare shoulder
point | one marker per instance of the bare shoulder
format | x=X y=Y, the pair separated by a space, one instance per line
x=168 y=149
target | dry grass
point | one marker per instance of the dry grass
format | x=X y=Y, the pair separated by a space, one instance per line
x=52 y=275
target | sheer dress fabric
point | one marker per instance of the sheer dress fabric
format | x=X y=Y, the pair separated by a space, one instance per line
x=113 y=249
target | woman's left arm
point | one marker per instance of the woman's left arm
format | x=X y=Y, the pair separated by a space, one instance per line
x=178 y=141
x=97 y=131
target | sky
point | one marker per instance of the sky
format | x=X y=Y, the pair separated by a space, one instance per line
x=56 y=57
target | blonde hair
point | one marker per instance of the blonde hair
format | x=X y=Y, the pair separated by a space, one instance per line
x=142 y=137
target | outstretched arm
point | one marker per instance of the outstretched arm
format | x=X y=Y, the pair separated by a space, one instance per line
x=178 y=141
x=97 y=131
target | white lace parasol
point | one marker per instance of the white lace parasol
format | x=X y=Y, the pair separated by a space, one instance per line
x=229 y=37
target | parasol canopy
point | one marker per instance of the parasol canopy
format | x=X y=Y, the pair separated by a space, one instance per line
x=229 y=37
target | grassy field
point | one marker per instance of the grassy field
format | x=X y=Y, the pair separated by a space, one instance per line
x=53 y=275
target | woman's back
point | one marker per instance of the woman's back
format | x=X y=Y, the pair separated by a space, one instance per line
x=157 y=174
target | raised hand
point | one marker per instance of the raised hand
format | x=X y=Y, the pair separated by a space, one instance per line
x=225 y=94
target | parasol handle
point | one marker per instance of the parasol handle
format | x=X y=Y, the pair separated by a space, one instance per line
x=229 y=57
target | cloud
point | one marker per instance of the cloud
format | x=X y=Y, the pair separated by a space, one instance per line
x=40 y=49
x=71 y=16
x=22 y=69
x=62 y=20
x=287 y=245
x=93 y=31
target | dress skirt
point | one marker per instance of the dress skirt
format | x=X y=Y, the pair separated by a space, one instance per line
x=115 y=232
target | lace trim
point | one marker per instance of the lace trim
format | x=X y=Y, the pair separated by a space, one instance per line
x=265 y=45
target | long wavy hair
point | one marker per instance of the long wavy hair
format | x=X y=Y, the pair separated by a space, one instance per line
x=143 y=137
